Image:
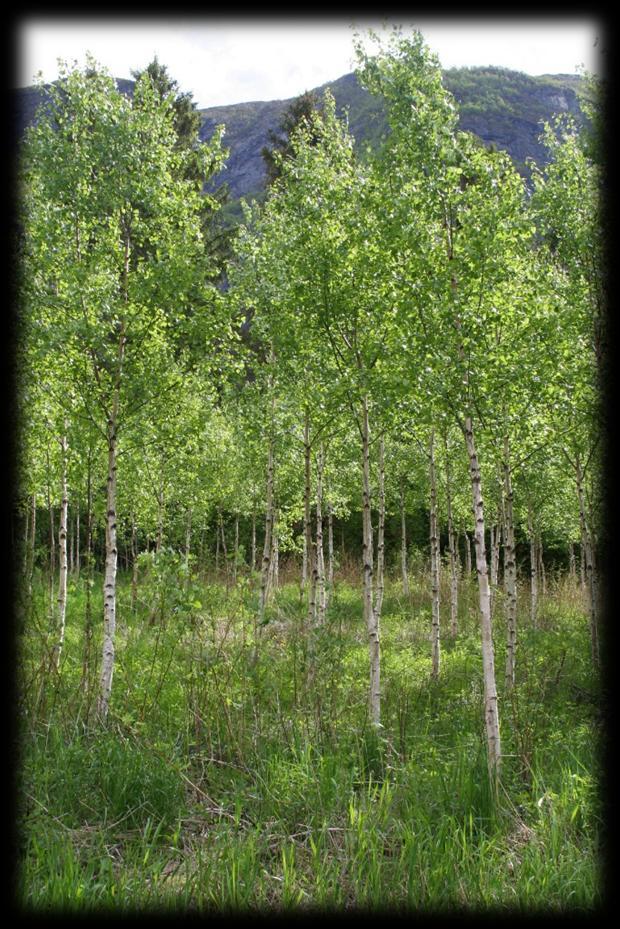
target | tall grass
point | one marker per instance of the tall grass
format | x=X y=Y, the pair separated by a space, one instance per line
x=224 y=784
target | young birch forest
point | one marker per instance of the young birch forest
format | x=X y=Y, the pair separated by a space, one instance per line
x=309 y=527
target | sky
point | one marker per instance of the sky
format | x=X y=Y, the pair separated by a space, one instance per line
x=222 y=61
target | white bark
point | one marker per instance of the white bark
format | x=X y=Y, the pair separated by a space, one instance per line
x=330 y=546
x=510 y=570
x=403 y=542
x=491 y=710
x=320 y=558
x=63 y=564
x=588 y=559
x=367 y=548
x=266 y=562
x=533 y=569
x=453 y=552
x=435 y=558
x=109 y=583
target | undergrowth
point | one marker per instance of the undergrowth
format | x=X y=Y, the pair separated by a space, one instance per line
x=227 y=782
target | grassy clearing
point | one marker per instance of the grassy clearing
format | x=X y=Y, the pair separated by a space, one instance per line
x=224 y=783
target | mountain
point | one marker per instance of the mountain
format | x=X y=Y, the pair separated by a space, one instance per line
x=503 y=108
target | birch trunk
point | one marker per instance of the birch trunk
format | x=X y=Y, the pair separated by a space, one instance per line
x=63 y=564
x=88 y=620
x=111 y=557
x=236 y=549
x=572 y=564
x=453 y=551
x=253 y=549
x=403 y=542
x=134 y=564
x=320 y=558
x=587 y=549
x=380 y=584
x=491 y=711
x=533 y=569
x=435 y=556
x=330 y=546
x=510 y=570
x=467 y=555
x=77 y=542
x=31 y=547
x=307 y=524
x=369 y=613
x=266 y=562
x=109 y=585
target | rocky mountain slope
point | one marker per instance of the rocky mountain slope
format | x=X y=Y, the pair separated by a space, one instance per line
x=502 y=107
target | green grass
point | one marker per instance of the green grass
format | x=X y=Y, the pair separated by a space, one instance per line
x=220 y=783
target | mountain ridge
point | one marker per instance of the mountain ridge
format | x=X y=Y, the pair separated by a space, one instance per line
x=502 y=107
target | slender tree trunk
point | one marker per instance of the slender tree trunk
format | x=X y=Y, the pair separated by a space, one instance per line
x=453 y=551
x=88 y=619
x=266 y=563
x=134 y=564
x=403 y=541
x=52 y=536
x=510 y=570
x=188 y=540
x=587 y=549
x=330 y=546
x=491 y=710
x=370 y=615
x=224 y=548
x=320 y=558
x=63 y=562
x=111 y=558
x=572 y=564
x=541 y=567
x=380 y=576
x=77 y=542
x=533 y=569
x=217 y=543
x=435 y=559
x=305 y=568
x=109 y=586
x=253 y=552
x=31 y=546
x=468 y=564
x=274 y=567
x=236 y=549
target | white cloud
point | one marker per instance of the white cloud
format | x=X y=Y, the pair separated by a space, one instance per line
x=224 y=62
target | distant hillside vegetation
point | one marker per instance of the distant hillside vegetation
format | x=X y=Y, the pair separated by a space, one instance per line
x=503 y=108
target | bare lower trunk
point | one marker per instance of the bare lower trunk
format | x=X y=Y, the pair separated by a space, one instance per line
x=253 y=549
x=380 y=576
x=236 y=550
x=88 y=619
x=510 y=571
x=367 y=548
x=435 y=557
x=572 y=564
x=330 y=546
x=467 y=555
x=274 y=567
x=305 y=568
x=491 y=711
x=453 y=552
x=31 y=546
x=320 y=558
x=533 y=570
x=134 y=565
x=109 y=584
x=63 y=564
x=266 y=562
x=588 y=558
x=403 y=542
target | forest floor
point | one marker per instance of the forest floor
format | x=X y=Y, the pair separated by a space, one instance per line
x=235 y=774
